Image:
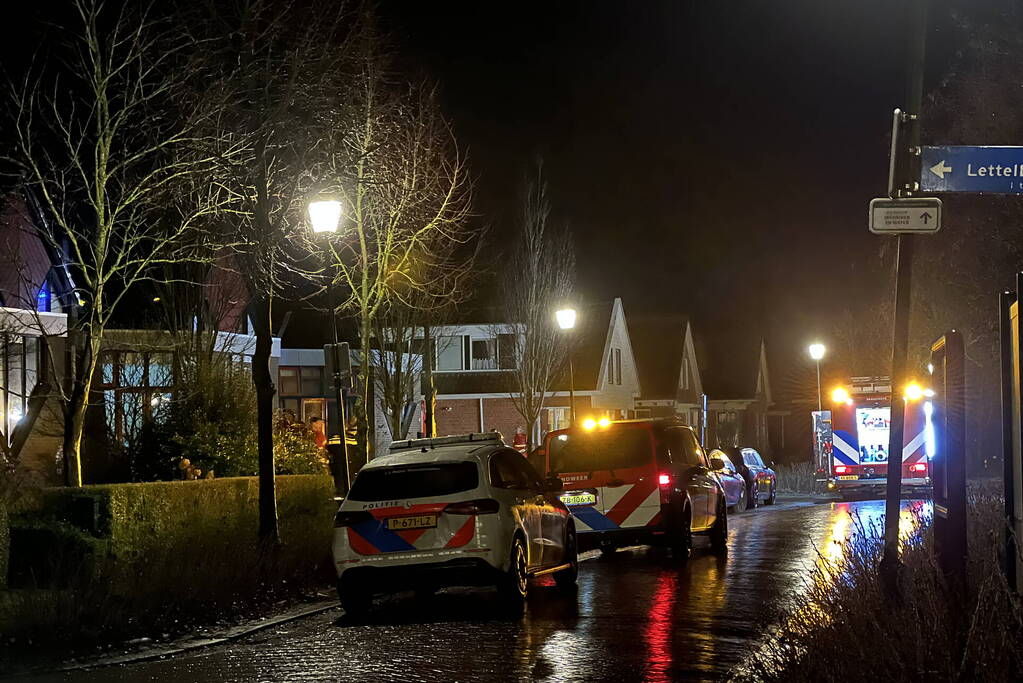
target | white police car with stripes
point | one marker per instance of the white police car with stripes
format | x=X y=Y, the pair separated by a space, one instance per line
x=449 y=511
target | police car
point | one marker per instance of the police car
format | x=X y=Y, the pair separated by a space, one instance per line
x=451 y=511
x=638 y=482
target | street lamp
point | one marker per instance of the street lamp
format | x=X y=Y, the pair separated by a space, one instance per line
x=325 y=218
x=566 y=321
x=817 y=351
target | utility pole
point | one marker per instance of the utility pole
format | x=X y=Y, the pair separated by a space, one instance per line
x=903 y=171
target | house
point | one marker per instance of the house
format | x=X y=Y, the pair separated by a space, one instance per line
x=474 y=375
x=305 y=390
x=668 y=370
x=736 y=381
x=35 y=294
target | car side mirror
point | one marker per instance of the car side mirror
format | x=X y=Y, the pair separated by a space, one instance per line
x=717 y=464
x=553 y=484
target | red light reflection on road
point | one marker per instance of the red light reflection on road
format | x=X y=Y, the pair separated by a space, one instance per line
x=659 y=631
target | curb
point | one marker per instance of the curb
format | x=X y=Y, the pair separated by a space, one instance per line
x=174 y=650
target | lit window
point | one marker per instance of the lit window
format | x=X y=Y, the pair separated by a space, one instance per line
x=43 y=298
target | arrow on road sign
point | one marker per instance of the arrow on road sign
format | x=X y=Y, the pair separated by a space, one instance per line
x=893 y=216
x=940 y=169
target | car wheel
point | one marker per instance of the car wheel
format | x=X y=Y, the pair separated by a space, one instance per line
x=514 y=584
x=355 y=601
x=740 y=505
x=752 y=497
x=681 y=540
x=719 y=532
x=566 y=578
x=774 y=495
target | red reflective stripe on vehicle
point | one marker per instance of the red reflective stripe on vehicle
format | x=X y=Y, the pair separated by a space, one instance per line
x=399 y=511
x=630 y=501
x=411 y=535
x=463 y=535
x=655 y=521
x=360 y=544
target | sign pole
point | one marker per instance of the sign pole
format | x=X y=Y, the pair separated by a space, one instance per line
x=901 y=168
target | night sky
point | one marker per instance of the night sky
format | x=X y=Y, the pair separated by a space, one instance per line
x=711 y=158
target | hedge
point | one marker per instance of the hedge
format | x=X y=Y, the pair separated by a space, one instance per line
x=199 y=537
x=5 y=538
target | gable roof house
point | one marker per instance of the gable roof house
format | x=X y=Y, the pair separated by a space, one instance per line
x=35 y=292
x=738 y=387
x=668 y=370
x=474 y=375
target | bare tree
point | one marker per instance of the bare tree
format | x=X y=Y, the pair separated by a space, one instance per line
x=276 y=88
x=406 y=193
x=540 y=278
x=97 y=138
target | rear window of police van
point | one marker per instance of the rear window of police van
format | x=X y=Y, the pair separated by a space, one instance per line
x=415 y=481
x=612 y=448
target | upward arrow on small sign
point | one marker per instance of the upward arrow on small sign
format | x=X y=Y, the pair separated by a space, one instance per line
x=894 y=216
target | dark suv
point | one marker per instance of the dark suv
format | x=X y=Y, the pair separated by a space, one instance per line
x=638 y=481
x=761 y=480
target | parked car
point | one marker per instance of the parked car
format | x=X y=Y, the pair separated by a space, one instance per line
x=638 y=481
x=731 y=481
x=457 y=510
x=761 y=480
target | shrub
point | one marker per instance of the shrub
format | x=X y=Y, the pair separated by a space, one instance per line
x=796 y=477
x=162 y=553
x=839 y=629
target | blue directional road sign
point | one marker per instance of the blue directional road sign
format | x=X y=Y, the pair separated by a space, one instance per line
x=972 y=169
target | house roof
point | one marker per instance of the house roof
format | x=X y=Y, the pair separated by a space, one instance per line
x=729 y=365
x=28 y=259
x=658 y=343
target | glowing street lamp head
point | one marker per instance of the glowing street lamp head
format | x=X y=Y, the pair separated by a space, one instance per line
x=325 y=215
x=817 y=350
x=840 y=395
x=565 y=318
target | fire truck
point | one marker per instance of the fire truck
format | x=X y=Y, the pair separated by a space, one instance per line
x=851 y=439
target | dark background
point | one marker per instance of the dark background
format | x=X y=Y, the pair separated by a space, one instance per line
x=712 y=159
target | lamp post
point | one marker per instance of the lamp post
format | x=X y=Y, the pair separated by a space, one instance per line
x=325 y=218
x=566 y=321
x=817 y=351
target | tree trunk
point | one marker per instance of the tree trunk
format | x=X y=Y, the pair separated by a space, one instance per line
x=430 y=391
x=265 y=390
x=84 y=367
x=365 y=410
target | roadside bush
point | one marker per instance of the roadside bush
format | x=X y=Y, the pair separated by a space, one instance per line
x=161 y=555
x=796 y=477
x=839 y=629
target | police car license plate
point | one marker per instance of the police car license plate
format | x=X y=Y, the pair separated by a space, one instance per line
x=579 y=498
x=417 y=522
x=847 y=477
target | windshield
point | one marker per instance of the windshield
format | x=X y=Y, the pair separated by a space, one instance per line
x=607 y=449
x=414 y=481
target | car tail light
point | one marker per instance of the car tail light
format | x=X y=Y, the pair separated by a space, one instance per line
x=918 y=467
x=664 y=480
x=481 y=506
x=351 y=518
x=841 y=469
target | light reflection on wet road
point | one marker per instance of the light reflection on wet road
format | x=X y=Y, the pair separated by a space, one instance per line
x=638 y=616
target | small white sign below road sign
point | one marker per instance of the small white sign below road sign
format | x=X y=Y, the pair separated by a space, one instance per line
x=893 y=216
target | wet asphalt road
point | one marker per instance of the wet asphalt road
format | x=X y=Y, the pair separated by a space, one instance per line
x=637 y=616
